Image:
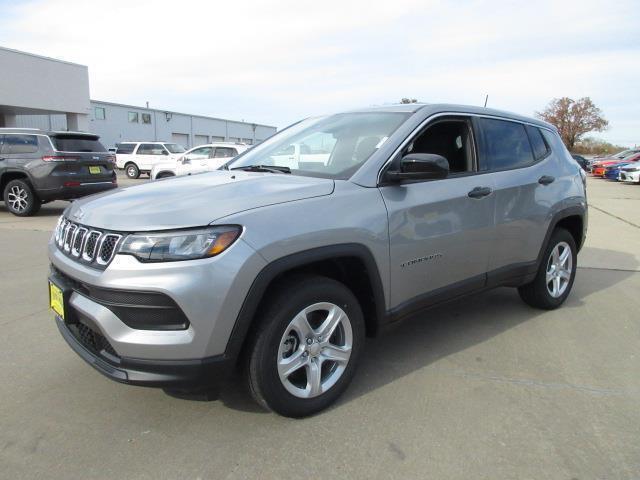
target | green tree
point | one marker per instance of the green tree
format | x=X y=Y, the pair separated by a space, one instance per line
x=573 y=118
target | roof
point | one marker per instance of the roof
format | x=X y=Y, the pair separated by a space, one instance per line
x=39 y=131
x=454 y=108
x=159 y=110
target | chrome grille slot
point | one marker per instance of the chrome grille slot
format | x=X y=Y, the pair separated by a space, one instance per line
x=78 y=239
x=90 y=245
x=107 y=248
x=71 y=227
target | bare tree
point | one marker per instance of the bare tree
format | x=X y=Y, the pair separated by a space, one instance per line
x=573 y=118
x=408 y=100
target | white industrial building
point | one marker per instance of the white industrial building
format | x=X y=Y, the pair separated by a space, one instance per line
x=41 y=92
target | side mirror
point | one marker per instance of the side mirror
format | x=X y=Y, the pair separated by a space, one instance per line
x=420 y=166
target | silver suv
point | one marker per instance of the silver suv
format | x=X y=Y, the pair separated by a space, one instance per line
x=281 y=271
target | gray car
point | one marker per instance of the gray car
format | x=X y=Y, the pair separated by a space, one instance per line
x=281 y=271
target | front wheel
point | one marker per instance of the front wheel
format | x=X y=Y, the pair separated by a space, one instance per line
x=557 y=271
x=307 y=346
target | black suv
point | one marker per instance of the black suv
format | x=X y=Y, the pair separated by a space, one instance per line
x=38 y=167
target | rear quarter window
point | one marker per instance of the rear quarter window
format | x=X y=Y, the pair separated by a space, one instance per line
x=17 y=144
x=77 y=144
x=125 y=148
x=506 y=145
x=540 y=148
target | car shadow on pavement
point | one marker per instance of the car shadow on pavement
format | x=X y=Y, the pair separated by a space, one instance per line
x=445 y=329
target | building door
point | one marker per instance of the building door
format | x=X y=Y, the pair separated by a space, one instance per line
x=181 y=138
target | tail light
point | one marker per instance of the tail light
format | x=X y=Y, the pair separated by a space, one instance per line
x=71 y=184
x=112 y=159
x=59 y=158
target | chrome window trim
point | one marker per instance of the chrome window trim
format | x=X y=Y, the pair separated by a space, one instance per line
x=430 y=118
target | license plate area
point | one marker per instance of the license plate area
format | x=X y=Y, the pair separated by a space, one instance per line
x=94 y=170
x=59 y=296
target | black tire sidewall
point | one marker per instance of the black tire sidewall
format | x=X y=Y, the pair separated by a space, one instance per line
x=33 y=203
x=263 y=363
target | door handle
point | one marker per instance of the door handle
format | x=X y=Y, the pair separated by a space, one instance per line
x=479 y=192
x=546 y=180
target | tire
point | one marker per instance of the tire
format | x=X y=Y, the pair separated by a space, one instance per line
x=20 y=199
x=545 y=292
x=282 y=335
x=132 y=170
x=165 y=175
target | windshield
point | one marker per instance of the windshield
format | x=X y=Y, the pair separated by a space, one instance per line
x=334 y=146
x=174 y=148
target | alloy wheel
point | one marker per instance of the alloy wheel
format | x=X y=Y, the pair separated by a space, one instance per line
x=314 y=350
x=18 y=199
x=559 y=269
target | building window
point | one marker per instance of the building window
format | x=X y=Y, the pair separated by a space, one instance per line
x=146 y=118
x=100 y=113
x=133 y=117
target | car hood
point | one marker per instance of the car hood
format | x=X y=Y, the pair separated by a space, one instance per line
x=191 y=201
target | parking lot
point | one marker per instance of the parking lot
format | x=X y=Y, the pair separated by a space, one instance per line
x=484 y=387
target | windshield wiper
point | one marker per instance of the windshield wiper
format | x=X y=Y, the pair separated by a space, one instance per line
x=264 y=168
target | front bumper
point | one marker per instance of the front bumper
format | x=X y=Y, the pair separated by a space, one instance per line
x=631 y=177
x=209 y=292
x=170 y=374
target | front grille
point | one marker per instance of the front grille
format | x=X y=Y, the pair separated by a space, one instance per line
x=93 y=247
x=92 y=340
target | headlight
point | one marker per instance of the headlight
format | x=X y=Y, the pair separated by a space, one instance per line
x=180 y=244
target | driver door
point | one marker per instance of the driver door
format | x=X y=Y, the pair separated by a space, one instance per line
x=440 y=231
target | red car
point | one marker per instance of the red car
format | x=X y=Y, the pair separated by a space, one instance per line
x=598 y=169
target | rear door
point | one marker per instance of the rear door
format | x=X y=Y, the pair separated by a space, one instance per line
x=148 y=154
x=85 y=158
x=440 y=231
x=221 y=156
x=519 y=160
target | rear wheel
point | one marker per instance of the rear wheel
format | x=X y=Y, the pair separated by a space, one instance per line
x=307 y=346
x=132 y=170
x=20 y=198
x=165 y=175
x=556 y=273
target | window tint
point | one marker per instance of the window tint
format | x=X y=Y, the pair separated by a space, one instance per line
x=133 y=117
x=175 y=148
x=506 y=145
x=77 y=143
x=126 y=148
x=146 y=118
x=538 y=144
x=100 y=113
x=225 y=152
x=151 y=149
x=449 y=138
x=20 y=143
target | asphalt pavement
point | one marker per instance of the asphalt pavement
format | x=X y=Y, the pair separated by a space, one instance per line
x=484 y=387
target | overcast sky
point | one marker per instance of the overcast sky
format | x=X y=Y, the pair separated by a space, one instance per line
x=275 y=61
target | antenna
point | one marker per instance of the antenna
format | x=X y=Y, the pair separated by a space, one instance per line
x=486 y=99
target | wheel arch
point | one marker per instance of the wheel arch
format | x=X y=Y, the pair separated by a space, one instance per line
x=351 y=264
x=573 y=219
x=9 y=175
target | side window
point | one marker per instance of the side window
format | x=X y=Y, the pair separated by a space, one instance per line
x=146 y=118
x=225 y=152
x=200 y=153
x=3 y=148
x=506 y=145
x=151 y=149
x=125 y=148
x=540 y=148
x=133 y=117
x=449 y=138
x=17 y=144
